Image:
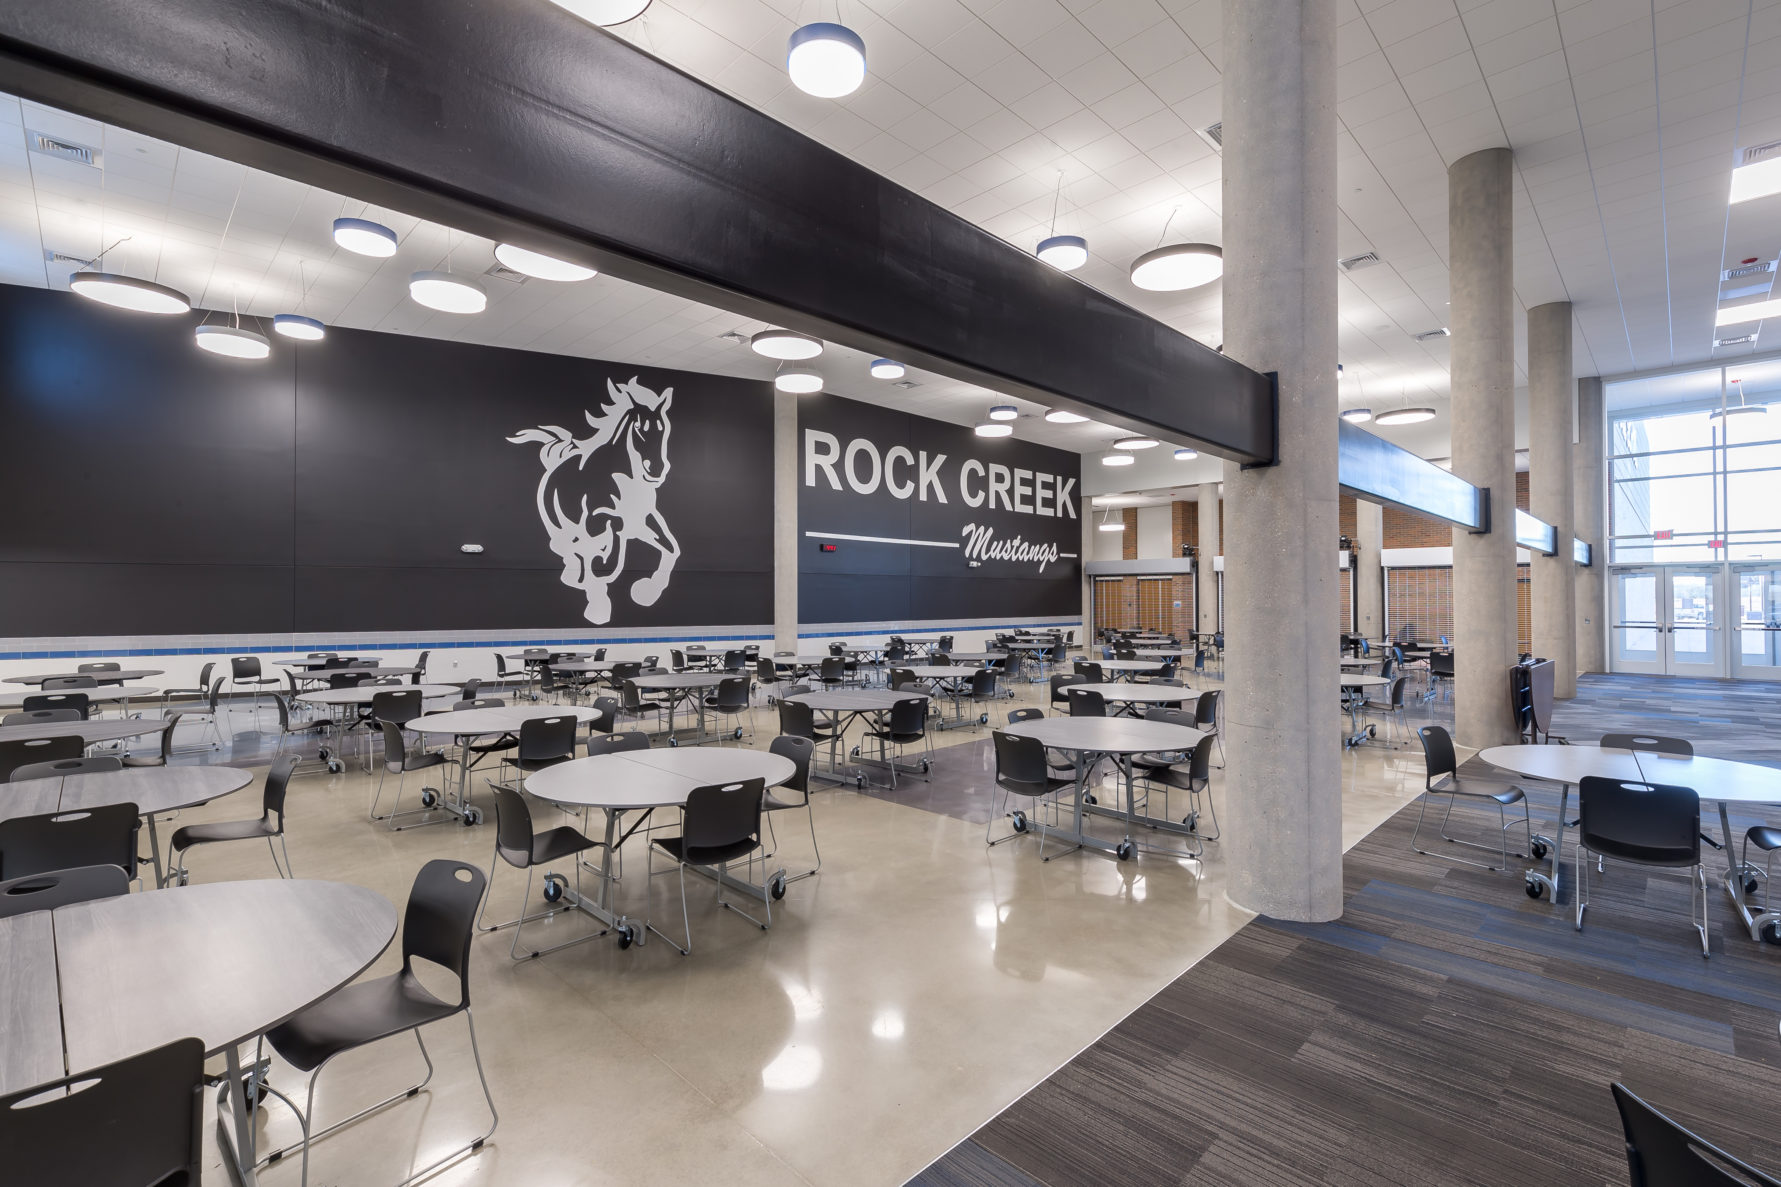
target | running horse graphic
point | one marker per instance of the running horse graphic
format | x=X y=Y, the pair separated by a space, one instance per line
x=598 y=494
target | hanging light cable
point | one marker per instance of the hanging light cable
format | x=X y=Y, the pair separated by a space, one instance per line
x=1170 y=268
x=1066 y=253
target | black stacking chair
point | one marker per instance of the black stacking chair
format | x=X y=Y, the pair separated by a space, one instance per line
x=766 y=677
x=43 y=717
x=905 y=726
x=100 y=671
x=633 y=707
x=1193 y=776
x=60 y=888
x=437 y=927
x=1652 y=824
x=735 y=660
x=1091 y=672
x=166 y=752
x=398 y=761
x=1649 y=743
x=983 y=691
x=244 y=670
x=543 y=742
x=1206 y=716
x=268 y=825
x=59 y=700
x=1660 y=1153
x=1060 y=767
x=25 y=751
x=419 y=675
x=1060 y=684
x=598 y=744
x=523 y=847
x=798 y=720
x=102 y=836
x=1442 y=778
x=731 y=701
x=93 y=764
x=136 y=1121
x=832 y=671
x=1393 y=707
x=190 y=694
x=1022 y=769
x=61 y=682
x=793 y=793
x=720 y=824
x=901 y=678
x=1087 y=702
x=289 y=728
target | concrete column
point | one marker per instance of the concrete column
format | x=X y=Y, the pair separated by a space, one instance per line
x=785 y=522
x=1550 y=389
x=1480 y=247
x=1589 y=501
x=1369 y=576
x=1206 y=577
x=1283 y=846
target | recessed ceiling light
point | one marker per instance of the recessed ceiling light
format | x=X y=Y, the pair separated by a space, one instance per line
x=1735 y=315
x=1186 y=455
x=993 y=429
x=295 y=325
x=365 y=237
x=1357 y=416
x=1756 y=180
x=826 y=60
x=233 y=342
x=1004 y=412
x=1135 y=443
x=1405 y=416
x=1178 y=266
x=126 y=292
x=1066 y=253
x=544 y=267
x=785 y=345
x=887 y=369
x=1063 y=416
x=799 y=381
x=604 y=12
x=447 y=293
x=1118 y=459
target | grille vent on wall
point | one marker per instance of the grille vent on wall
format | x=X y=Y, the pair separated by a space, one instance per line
x=1759 y=152
x=1214 y=133
x=64 y=150
x=62 y=257
x=1356 y=263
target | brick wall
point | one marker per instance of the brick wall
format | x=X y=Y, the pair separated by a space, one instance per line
x=1345 y=517
x=1407 y=529
x=1128 y=541
x=1423 y=599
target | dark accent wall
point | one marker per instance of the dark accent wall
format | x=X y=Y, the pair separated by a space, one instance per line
x=156 y=489
x=864 y=581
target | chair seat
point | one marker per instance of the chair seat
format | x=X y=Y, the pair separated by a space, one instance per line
x=536 y=764
x=707 y=855
x=258 y=680
x=552 y=845
x=772 y=803
x=1048 y=787
x=903 y=739
x=226 y=830
x=423 y=760
x=354 y=1016
x=144 y=760
x=1502 y=793
x=1762 y=836
x=504 y=742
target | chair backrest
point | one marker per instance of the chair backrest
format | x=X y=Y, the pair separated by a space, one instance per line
x=1441 y=664
x=481 y=703
x=939 y=659
x=1653 y=823
x=1650 y=743
x=983 y=684
x=1397 y=691
x=500 y=664
x=766 y=671
x=349 y=679
x=896 y=653
x=55 y=683
x=627 y=669
x=1660 y=1153
x=945 y=643
x=909 y=715
x=722 y=814
x=598 y=744
x=91 y=764
x=42 y=717
x=1199 y=761
x=25 y=751
x=278 y=782
x=513 y=826
x=1028 y=714
x=1087 y=702
x=1206 y=708
x=420 y=668
x=1020 y=763
x=800 y=751
x=102 y=836
x=1437 y=753
x=441 y=918
x=677 y=659
x=605 y=718
x=60 y=700
x=139 y=1120
x=59 y=888
x=400 y=707
x=834 y=670
x=395 y=747
x=536 y=653
x=1387 y=667
x=546 y=737
x=599 y=654
x=1061 y=682
x=732 y=692
x=735 y=660
x=244 y=667
x=105 y=666
x=900 y=677
x=1170 y=716
x=468 y=692
x=797 y=719
x=1090 y=671
x=1056 y=653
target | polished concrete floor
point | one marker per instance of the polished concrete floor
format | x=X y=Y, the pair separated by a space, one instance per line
x=905 y=995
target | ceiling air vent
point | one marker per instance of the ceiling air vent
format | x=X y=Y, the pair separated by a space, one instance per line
x=65 y=150
x=1427 y=335
x=1759 y=152
x=62 y=257
x=1760 y=268
x=1214 y=133
x=905 y=384
x=503 y=272
x=1740 y=340
x=1355 y=263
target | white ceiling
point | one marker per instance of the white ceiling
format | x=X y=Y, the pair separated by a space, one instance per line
x=1623 y=114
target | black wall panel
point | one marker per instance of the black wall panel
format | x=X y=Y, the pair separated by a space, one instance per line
x=61 y=598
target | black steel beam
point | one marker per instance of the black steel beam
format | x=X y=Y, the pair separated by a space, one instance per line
x=513 y=120
x=1535 y=535
x=1374 y=469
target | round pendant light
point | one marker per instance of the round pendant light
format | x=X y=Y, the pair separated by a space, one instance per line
x=544 y=267
x=447 y=293
x=1726 y=409
x=365 y=237
x=232 y=342
x=1004 y=412
x=799 y=381
x=605 y=13
x=886 y=369
x=994 y=429
x=1405 y=416
x=1118 y=459
x=1177 y=266
x=126 y=292
x=1110 y=524
x=1186 y=455
x=295 y=325
x=1130 y=443
x=1066 y=253
x=826 y=60
x=1357 y=416
x=785 y=344
x=1063 y=416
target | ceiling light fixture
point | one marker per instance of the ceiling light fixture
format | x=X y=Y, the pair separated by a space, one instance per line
x=364 y=237
x=1135 y=443
x=1724 y=410
x=1356 y=416
x=447 y=293
x=1404 y=416
x=544 y=267
x=232 y=342
x=1118 y=459
x=1066 y=253
x=886 y=369
x=604 y=13
x=799 y=381
x=994 y=429
x=1172 y=267
x=1004 y=412
x=1063 y=416
x=295 y=325
x=1186 y=455
x=826 y=60
x=1109 y=524
x=1737 y=315
x=785 y=345
x=126 y=292
x=1760 y=177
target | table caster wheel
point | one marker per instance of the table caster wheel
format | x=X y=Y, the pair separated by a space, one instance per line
x=983 y=719
x=553 y=889
x=335 y=766
x=674 y=742
x=1192 y=820
x=627 y=935
x=1089 y=798
x=854 y=753
x=1372 y=731
x=1750 y=886
x=1534 y=890
x=859 y=782
x=1770 y=933
x=1540 y=850
x=1126 y=851
x=926 y=766
x=1020 y=822
x=472 y=816
x=777 y=887
x=738 y=733
x=429 y=798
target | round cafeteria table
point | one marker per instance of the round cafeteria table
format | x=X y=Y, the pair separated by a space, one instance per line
x=1354 y=700
x=682 y=687
x=122 y=676
x=1164 y=652
x=1121 y=739
x=583 y=667
x=91 y=732
x=363 y=694
x=91 y=983
x=310 y=661
x=109 y=694
x=644 y=780
x=1129 y=666
x=1129 y=693
x=844 y=706
x=372 y=673
x=466 y=725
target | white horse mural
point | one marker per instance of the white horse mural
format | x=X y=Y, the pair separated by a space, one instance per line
x=598 y=494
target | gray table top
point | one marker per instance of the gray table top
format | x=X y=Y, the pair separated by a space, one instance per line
x=1138 y=694
x=470 y=723
x=1366 y=661
x=1716 y=779
x=30 y=1009
x=306 y=661
x=1108 y=735
x=1164 y=652
x=685 y=680
x=854 y=700
x=363 y=694
x=938 y=671
x=714 y=652
x=585 y=665
x=975 y=657
x=801 y=661
x=373 y=673
x=121 y=676
x=539 y=659
x=102 y=729
x=1127 y=665
x=112 y=692
x=1363 y=680
x=151 y=789
x=653 y=778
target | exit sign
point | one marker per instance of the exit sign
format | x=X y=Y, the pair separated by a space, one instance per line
x=826 y=547
x=1662 y=534
x=1716 y=544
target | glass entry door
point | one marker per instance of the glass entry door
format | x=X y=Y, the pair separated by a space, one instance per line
x=1667 y=621
x=1636 y=633
x=1756 y=622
